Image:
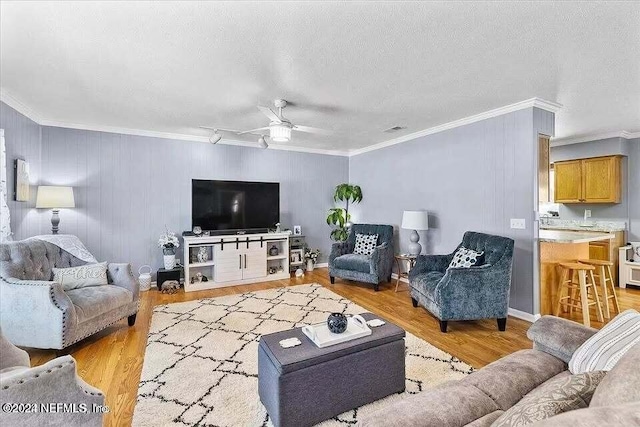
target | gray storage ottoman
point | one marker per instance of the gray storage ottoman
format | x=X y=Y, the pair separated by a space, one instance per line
x=304 y=385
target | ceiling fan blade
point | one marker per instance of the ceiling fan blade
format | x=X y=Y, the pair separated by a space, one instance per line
x=310 y=129
x=252 y=130
x=269 y=113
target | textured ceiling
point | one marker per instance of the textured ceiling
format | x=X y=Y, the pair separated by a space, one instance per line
x=353 y=67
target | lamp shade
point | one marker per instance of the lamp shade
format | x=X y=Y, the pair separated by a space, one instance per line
x=55 y=197
x=415 y=220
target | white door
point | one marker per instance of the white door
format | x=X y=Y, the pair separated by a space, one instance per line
x=254 y=261
x=228 y=263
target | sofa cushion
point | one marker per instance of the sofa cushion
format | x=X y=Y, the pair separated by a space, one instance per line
x=626 y=415
x=622 y=383
x=365 y=244
x=562 y=393
x=487 y=420
x=453 y=405
x=603 y=350
x=353 y=262
x=509 y=379
x=465 y=258
x=81 y=276
x=426 y=283
x=96 y=300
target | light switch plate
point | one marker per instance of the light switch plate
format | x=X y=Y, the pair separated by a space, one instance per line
x=518 y=223
x=587 y=213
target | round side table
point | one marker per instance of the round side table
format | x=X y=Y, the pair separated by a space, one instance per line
x=411 y=259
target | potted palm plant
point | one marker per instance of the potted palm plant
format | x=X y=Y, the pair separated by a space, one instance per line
x=340 y=218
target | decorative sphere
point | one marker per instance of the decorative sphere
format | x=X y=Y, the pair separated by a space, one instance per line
x=337 y=323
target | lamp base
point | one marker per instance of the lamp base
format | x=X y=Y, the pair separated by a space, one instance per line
x=55 y=220
x=415 y=248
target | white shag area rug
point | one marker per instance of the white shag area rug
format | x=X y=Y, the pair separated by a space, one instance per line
x=201 y=362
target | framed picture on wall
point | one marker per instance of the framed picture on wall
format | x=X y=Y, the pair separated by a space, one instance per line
x=21 y=181
x=297 y=230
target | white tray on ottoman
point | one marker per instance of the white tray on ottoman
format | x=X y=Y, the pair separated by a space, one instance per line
x=323 y=337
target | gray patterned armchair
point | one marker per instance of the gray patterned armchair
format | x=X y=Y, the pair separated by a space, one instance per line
x=37 y=312
x=373 y=269
x=478 y=292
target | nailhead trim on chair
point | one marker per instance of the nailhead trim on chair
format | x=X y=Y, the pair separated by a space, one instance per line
x=105 y=326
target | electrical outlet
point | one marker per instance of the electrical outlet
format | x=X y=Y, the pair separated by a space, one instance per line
x=587 y=213
x=518 y=223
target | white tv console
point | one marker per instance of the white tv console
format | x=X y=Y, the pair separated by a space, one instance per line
x=235 y=259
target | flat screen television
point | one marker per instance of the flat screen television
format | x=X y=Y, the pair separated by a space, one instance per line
x=234 y=205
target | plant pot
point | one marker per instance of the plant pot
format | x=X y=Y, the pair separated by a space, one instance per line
x=169 y=262
x=310 y=265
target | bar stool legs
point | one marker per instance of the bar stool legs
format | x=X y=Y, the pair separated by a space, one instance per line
x=607 y=285
x=583 y=288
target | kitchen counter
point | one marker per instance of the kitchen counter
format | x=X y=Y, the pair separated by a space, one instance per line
x=581 y=225
x=564 y=236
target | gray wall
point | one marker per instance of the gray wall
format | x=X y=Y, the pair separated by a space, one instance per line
x=474 y=177
x=128 y=188
x=634 y=189
x=597 y=148
x=22 y=138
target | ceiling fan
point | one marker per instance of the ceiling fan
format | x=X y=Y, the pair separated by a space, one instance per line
x=279 y=127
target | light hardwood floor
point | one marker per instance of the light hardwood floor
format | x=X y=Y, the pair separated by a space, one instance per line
x=112 y=359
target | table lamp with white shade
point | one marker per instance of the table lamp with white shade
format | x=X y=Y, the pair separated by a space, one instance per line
x=415 y=220
x=55 y=198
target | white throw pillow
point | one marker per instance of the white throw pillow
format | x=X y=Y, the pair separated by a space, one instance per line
x=603 y=350
x=82 y=276
x=465 y=258
x=365 y=244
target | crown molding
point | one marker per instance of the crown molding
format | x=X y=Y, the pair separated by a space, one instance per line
x=190 y=138
x=594 y=137
x=21 y=108
x=528 y=103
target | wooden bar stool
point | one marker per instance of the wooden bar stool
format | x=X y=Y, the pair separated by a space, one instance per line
x=603 y=273
x=585 y=287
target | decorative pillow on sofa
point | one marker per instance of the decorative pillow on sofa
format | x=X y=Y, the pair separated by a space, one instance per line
x=465 y=258
x=82 y=276
x=603 y=350
x=365 y=244
x=561 y=393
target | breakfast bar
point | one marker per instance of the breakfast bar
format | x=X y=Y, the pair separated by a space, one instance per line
x=560 y=246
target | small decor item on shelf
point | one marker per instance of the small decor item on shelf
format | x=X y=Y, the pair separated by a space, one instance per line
x=337 y=323
x=144 y=278
x=199 y=277
x=280 y=269
x=273 y=251
x=168 y=241
x=311 y=256
x=272 y=270
x=170 y=287
x=278 y=227
x=197 y=230
x=203 y=254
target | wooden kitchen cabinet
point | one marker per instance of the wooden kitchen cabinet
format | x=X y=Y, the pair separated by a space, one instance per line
x=594 y=180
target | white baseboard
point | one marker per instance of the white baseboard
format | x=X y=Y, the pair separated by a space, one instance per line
x=523 y=315
x=322 y=264
x=394 y=276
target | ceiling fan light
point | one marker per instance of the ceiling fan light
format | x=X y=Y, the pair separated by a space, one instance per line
x=262 y=142
x=280 y=133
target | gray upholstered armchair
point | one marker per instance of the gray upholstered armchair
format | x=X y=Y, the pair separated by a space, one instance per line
x=37 y=312
x=373 y=269
x=55 y=382
x=478 y=292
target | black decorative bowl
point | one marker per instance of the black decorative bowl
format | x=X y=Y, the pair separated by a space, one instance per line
x=337 y=323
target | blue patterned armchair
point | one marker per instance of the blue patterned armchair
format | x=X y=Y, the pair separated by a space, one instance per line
x=373 y=269
x=478 y=292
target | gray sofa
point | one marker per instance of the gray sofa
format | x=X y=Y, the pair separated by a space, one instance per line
x=372 y=269
x=478 y=292
x=37 y=312
x=55 y=382
x=481 y=398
